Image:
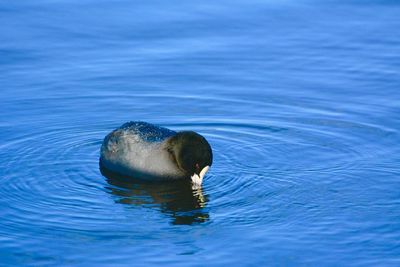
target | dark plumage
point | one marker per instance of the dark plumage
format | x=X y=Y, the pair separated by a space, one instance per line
x=145 y=151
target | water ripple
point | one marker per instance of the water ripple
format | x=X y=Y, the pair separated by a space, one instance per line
x=265 y=170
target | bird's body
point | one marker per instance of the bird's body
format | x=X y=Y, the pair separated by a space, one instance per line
x=148 y=152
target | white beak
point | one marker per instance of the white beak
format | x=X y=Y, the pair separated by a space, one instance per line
x=197 y=180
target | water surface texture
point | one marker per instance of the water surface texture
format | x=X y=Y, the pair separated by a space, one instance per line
x=300 y=101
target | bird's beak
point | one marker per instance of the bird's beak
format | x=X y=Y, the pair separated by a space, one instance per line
x=197 y=179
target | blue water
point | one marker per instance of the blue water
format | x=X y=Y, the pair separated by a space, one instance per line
x=299 y=99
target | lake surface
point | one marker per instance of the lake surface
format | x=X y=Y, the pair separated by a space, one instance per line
x=300 y=101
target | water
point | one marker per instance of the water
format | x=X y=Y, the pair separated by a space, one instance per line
x=300 y=101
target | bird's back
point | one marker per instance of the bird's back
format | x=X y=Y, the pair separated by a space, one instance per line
x=147 y=132
x=137 y=149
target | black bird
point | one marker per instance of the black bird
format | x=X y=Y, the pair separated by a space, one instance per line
x=145 y=151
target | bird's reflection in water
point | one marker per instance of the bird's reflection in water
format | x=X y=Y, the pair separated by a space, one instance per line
x=178 y=199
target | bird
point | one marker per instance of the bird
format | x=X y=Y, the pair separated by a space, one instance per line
x=149 y=152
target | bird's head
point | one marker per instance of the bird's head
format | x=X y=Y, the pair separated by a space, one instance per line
x=192 y=153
